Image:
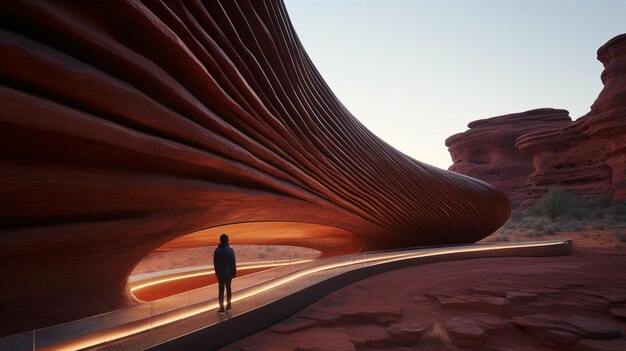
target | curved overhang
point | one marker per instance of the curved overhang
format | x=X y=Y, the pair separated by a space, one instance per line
x=127 y=124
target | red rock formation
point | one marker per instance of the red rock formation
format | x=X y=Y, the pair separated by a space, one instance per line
x=587 y=156
x=127 y=124
x=487 y=150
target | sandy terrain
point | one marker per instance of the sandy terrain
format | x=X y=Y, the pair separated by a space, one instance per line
x=606 y=228
x=202 y=256
x=588 y=238
x=498 y=304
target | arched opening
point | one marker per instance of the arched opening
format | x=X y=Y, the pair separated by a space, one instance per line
x=186 y=263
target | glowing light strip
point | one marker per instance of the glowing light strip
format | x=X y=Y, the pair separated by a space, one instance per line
x=191 y=275
x=189 y=311
x=383 y=259
x=141 y=286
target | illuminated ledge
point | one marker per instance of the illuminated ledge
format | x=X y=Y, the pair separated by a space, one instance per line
x=138 y=282
x=188 y=321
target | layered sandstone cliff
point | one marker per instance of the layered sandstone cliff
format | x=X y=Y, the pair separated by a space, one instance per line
x=487 y=150
x=587 y=156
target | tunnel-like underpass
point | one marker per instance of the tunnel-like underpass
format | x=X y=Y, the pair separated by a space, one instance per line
x=185 y=263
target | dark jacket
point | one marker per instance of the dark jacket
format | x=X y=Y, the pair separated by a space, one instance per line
x=224 y=262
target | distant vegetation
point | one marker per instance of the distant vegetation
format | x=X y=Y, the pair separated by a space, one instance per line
x=555 y=203
x=561 y=213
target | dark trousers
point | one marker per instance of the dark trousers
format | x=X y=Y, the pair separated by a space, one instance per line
x=224 y=282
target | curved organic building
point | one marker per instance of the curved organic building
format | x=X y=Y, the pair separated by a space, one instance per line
x=126 y=124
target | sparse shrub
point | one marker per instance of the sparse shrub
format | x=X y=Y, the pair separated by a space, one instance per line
x=534 y=221
x=574 y=226
x=502 y=237
x=555 y=203
x=516 y=216
x=533 y=210
x=561 y=204
x=550 y=231
x=532 y=233
x=524 y=225
x=539 y=227
x=508 y=225
x=580 y=207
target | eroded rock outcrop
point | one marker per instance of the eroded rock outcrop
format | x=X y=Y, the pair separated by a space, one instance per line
x=126 y=124
x=487 y=150
x=587 y=156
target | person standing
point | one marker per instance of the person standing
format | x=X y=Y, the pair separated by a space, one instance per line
x=225 y=266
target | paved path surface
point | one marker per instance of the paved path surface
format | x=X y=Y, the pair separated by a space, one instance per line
x=261 y=299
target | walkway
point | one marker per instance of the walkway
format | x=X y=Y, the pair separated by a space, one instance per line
x=189 y=320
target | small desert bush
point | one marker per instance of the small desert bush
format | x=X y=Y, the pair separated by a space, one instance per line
x=533 y=222
x=509 y=225
x=562 y=204
x=551 y=231
x=516 y=216
x=574 y=226
x=498 y=237
x=580 y=208
x=532 y=233
x=554 y=203
x=533 y=211
x=506 y=231
x=539 y=227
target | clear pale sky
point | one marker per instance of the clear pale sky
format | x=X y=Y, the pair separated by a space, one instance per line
x=416 y=72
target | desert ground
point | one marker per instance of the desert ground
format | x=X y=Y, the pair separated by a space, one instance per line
x=516 y=303
x=575 y=302
x=605 y=232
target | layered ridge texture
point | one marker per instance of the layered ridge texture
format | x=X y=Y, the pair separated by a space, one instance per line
x=487 y=149
x=126 y=124
x=525 y=154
